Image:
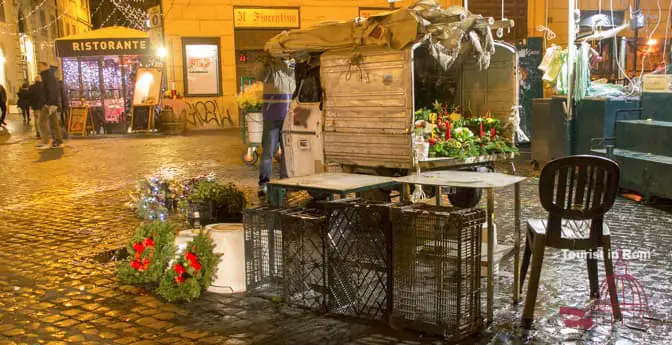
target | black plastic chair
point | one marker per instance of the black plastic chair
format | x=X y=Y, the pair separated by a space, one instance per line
x=576 y=192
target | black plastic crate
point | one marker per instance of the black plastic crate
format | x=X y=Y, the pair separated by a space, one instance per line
x=263 y=251
x=437 y=258
x=304 y=261
x=359 y=250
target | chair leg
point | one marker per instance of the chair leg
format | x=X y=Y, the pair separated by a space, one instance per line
x=525 y=264
x=592 y=274
x=539 y=244
x=611 y=282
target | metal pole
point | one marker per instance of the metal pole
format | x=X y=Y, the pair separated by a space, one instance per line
x=571 y=38
x=491 y=254
x=636 y=40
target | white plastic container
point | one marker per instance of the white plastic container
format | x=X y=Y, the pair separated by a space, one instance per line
x=255 y=127
x=229 y=243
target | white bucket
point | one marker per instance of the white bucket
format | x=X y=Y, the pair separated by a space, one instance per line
x=229 y=243
x=182 y=239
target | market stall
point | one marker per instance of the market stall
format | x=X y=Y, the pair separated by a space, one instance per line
x=99 y=70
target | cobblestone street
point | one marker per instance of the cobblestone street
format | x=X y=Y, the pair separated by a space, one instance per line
x=61 y=208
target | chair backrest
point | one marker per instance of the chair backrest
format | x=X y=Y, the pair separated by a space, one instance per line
x=579 y=187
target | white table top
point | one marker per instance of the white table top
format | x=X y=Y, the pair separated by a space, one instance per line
x=337 y=182
x=463 y=179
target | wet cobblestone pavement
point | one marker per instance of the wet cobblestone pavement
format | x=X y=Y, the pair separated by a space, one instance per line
x=60 y=209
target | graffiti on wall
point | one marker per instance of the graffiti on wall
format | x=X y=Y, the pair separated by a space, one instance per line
x=207 y=114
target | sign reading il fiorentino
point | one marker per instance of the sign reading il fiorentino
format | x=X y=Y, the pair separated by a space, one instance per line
x=266 y=17
x=106 y=46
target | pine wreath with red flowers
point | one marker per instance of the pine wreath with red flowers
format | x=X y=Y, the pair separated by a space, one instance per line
x=191 y=272
x=150 y=250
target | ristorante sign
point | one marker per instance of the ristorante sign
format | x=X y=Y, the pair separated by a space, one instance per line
x=106 y=46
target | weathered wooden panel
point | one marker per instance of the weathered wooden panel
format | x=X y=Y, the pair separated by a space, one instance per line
x=368 y=107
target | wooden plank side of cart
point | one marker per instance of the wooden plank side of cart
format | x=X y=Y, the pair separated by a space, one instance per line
x=450 y=163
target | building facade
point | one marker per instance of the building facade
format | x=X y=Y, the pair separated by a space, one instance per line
x=10 y=59
x=39 y=23
x=213 y=44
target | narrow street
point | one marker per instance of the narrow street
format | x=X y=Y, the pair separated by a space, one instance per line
x=62 y=209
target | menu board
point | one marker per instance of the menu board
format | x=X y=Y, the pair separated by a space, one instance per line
x=79 y=117
x=147 y=86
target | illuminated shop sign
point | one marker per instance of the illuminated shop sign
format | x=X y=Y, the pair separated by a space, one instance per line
x=110 y=46
x=266 y=17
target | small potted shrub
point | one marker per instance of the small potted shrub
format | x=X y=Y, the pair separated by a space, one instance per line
x=216 y=202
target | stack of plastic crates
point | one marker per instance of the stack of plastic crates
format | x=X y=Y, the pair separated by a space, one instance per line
x=437 y=257
x=359 y=249
x=263 y=251
x=304 y=265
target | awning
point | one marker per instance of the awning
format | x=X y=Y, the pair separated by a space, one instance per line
x=115 y=40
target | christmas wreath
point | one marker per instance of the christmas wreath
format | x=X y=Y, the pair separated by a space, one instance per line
x=150 y=249
x=191 y=272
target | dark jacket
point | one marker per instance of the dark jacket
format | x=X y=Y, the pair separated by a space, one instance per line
x=3 y=95
x=37 y=96
x=65 y=101
x=24 y=98
x=50 y=84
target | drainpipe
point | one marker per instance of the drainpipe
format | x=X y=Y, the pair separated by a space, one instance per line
x=636 y=38
x=58 y=28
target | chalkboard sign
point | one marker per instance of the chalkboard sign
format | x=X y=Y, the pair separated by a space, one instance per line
x=79 y=118
x=142 y=118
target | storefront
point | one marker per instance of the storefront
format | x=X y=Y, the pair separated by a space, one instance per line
x=99 y=70
x=253 y=28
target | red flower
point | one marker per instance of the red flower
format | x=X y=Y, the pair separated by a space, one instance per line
x=480 y=129
x=148 y=242
x=493 y=133
x=179 y=279
x=196 y=265
x=136 y=265
x=138 y=247
x=145 y=263
x=448 y=130
x=179 y=269
x=190 y=256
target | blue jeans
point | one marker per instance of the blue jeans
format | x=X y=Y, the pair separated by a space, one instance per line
x=270 y=140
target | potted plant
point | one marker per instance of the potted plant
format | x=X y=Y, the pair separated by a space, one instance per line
x=216 y=203
x=251 y=98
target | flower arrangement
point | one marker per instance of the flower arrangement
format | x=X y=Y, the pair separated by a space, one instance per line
x=150 y=249
x=251 y=98
x=191 y=272
x=450 y=134
x=155 y=197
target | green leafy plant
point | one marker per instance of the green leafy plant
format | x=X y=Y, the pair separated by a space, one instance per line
x=226 y=200
x=150 y=249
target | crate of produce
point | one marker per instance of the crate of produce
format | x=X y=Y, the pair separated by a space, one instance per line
x=304 y=274
x=359 y=251
x=263 y=251
x=437 y=253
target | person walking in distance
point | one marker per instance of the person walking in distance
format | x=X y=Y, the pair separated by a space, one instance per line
x=36 y=96
x=49 y=121
x=3 y=105
x=24 y=102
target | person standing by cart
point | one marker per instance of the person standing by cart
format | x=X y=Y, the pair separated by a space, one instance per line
x=279 y=85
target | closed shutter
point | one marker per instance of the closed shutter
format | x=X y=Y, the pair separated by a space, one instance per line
x=513 y=9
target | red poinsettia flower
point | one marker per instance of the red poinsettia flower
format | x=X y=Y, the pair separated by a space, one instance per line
x=138 y=247
x=145 y=263
x=196 y=265
x=148 y=242
x=179 y=279
x=190 y=256
x=136 y=264
x=179 y=269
